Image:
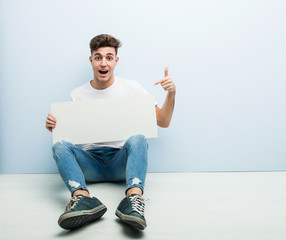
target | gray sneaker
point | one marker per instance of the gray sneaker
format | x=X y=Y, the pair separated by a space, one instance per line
x=80 y=211
x=131 y=211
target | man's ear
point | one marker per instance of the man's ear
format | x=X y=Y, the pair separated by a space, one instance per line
x=117 y=59
x=90 y=59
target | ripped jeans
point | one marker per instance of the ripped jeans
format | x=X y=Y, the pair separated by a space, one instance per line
x=102 y=164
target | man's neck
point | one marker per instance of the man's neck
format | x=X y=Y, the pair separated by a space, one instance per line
x=100 y=85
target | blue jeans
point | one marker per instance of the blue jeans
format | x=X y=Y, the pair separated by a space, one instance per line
x=77 y=166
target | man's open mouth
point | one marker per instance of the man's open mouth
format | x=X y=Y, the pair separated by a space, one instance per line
x=103 y=71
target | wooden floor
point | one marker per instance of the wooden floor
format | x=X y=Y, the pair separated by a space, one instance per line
x=197 y=206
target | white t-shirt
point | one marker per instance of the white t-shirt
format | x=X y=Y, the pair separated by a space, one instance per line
x=121 y=87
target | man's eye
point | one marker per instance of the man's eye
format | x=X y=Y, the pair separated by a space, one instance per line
x=109 y=58
x=97 y=58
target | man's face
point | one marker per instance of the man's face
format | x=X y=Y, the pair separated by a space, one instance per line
x=103 y=62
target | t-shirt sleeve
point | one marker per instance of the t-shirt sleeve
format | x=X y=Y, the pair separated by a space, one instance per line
x=72 y=95
x=142 y=91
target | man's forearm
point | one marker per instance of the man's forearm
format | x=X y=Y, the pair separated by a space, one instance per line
x=164 y=115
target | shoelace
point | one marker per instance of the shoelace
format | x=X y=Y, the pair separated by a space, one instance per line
x=137 y=204
x=72 y=203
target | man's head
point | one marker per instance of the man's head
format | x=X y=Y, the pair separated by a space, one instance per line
x=104 y=40
x=103 y=59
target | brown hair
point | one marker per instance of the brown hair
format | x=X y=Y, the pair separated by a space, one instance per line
x=104 y=40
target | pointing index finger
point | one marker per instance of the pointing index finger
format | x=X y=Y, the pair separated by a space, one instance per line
x=166 y=75
x=166 y=71
x=156 y=83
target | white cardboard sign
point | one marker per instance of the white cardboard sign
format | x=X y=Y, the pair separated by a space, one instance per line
x=105 y=120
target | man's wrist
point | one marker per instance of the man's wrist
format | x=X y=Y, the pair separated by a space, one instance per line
x=172 y=92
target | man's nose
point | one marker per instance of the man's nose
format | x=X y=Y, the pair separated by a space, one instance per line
x=103 y=62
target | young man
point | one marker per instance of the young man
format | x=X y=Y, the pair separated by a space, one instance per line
x=110 y=161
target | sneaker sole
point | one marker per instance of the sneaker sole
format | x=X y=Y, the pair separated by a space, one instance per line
x=77 y=219
x=131 y=220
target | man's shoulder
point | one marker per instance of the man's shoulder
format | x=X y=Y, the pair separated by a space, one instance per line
x=126 y=81
x=129 y=86
x=80 y=90
x=84 y=86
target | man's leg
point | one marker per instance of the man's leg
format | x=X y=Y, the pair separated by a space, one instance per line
x=65 y=154
x=131 y=208
x=72 y=162
x=137 y=162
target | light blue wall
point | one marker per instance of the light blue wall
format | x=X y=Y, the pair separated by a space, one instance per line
x=227 y=59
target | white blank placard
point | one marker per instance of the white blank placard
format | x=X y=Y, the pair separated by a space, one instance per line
x=104 y=120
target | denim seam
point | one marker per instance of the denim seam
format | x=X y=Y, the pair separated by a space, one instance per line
x=136 y=185
x=117 y=155
x=104 y=163
x=89 y=156
x=127 y=150
x=78 y=164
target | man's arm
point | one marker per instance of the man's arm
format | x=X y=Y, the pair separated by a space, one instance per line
x=164 y=115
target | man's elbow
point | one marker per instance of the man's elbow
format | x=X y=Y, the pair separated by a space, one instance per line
x=163 y=125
